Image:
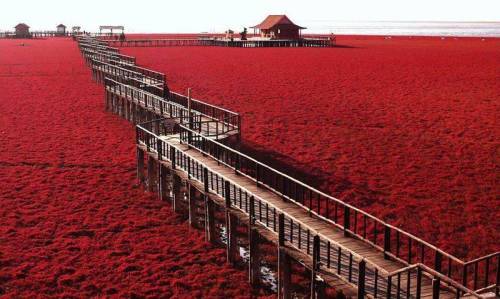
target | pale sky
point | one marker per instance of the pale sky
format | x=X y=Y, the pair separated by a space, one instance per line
x=218 y=15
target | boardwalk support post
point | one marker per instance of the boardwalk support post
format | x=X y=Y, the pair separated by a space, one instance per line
x=253 y=240
x=231 y=223
x=192 y=205
x=254 y=262
x=177 y=193
x=284 y=263
x=151 y=173
x=315 y=266
x=209 y=210
x=140 y=165
x=163 y=174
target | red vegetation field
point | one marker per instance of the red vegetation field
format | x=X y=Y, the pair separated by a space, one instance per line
x=405 y=128
x=73 y=223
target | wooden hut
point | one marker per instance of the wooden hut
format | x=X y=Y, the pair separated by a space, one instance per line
x=61 y=29
x=22 y=30
x=278 y=27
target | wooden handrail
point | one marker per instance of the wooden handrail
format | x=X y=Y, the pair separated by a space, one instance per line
x=436 y=274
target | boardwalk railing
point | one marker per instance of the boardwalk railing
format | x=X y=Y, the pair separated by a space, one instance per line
x=373 y=281
x=482 y=273
x=90 y=53
x=204 y=123
x=225 y=116
x=251 y=43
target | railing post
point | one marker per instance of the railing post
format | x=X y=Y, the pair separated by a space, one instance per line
x=347 y=221
x=389 y=283
x=419 y=283
x=230 y=225
x=315 y=265
x=361 y=279
x=283 y=261
x=438 y=261
x=205 y=179
x=387 y=241
x=435 y=288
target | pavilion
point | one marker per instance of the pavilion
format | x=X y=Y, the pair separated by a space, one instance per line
x=278 y=27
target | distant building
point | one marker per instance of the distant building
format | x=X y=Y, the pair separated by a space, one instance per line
x=278 y=27
x=22 y=30
x=61 y=29
x=111 y=28
x=76 y=29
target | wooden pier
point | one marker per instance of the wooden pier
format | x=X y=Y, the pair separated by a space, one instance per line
x=252 y=43
x=183 y=156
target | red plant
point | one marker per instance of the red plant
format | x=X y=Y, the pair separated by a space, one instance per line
x=404 y=128
x=73 y=222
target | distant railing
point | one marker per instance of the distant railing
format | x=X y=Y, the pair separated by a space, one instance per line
x=209 y=126
x=225 y=116
x=107 y=57
x=251 y=43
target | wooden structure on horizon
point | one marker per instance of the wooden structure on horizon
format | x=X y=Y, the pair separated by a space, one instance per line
x=183 y=155
x=278 y=27
x=22 y=31
x=61 y=29
x=111 y=28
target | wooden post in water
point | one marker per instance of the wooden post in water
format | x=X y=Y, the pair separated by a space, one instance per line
x=253 y=244
x=151 y=173
x=209 y=210
x=177 y=193
x=140 y=165
x=284 y=264
x=163 y=174
x=192 y=205
x=315 y=267
x=231 y=223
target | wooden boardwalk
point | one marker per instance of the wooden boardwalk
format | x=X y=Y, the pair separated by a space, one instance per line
x=182 y=155
x=251 y=43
